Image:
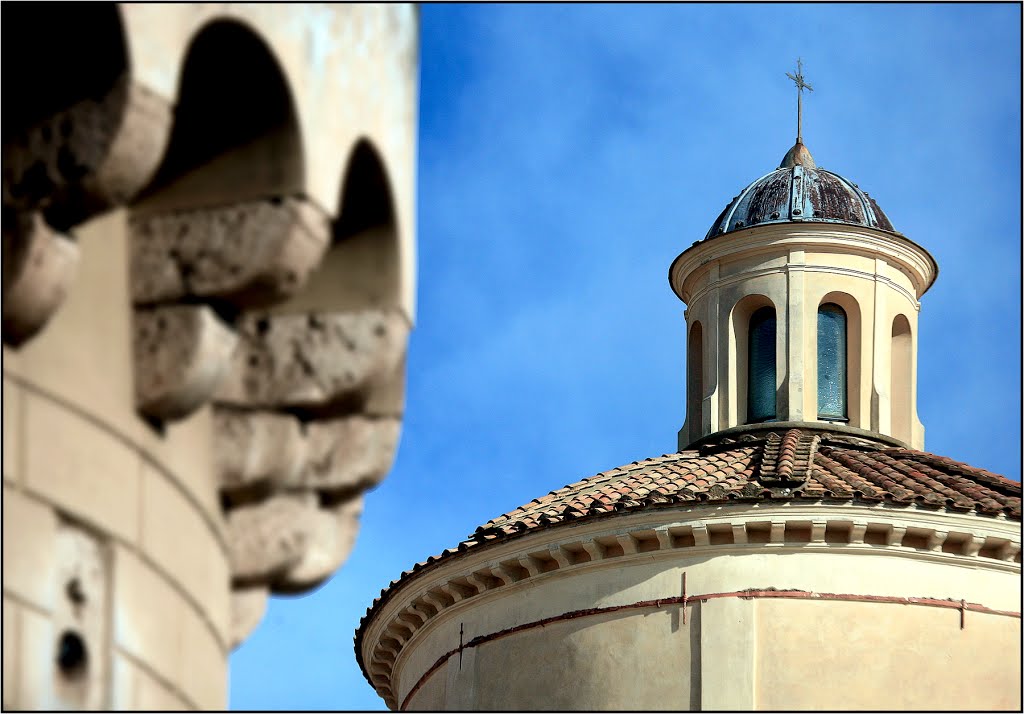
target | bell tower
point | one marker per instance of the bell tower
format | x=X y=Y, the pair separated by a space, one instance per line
x=802 y=303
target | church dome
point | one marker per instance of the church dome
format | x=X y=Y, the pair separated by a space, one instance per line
x=800 y=191
x=777 y=463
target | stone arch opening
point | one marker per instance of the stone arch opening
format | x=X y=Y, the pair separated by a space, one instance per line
x=361 y=268
x=695 y=381
x=236 y=132
x=739 y=356
x=901 y=379
x=854 y=360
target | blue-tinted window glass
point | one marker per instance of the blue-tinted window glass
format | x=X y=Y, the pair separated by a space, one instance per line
x=761 y=366
x=831 y=362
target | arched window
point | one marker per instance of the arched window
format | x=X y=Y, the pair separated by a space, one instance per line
x=831 y=362
x=761 y=366
x=695 y=380
x=901 y=374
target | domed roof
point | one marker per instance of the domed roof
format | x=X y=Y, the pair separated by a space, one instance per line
x=800 y=191
x=779 y=462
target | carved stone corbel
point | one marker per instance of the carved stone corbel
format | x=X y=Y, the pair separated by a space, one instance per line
x=180 y=353
x=331 y=533
x=39 y=266
x=88 y=157
x=315 y=360
x=257 y=449
x=253 y=253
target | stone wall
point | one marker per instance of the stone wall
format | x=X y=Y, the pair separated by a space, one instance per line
x=207 y=290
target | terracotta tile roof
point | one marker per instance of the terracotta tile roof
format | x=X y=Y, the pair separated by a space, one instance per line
x=780 y=465
x=794 y=464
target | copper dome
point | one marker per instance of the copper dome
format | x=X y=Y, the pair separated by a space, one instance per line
x=800 y=191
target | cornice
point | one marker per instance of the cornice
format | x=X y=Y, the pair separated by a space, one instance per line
x=472 y=578
x=896 y=249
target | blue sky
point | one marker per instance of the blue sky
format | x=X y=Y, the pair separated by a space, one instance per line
x=566 y=155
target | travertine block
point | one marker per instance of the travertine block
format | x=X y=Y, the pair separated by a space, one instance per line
x=350 y=454
x=252 y=253
x=179 y=540
x=81 y=467
x=270 y=537
x=257 y=448
x=39 y=266
x=187 y=448
x=312 y=360
x=181 y=353
x=30 y=538
x=331 y=535
x=248 y=605
x=204 y=667
x=36 y=653
x=148 y=615
x=94 y=154
x=11 y=617
x=133 y=688
x=12 y=430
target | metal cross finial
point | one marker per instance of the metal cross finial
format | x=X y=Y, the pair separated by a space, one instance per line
x=801 y=85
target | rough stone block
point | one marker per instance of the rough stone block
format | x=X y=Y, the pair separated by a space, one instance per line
x=314 y=360
x=204 y=666
x=268 y=538
x=331 y=535
x=248 y=605
x=257 y=448
x=177 y=538
x=81 y=467
x=253 y=253
x=350 y=454
x=39 y=265
x=181 y=353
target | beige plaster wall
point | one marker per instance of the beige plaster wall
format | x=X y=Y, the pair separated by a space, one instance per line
x=726 y=652
x=94 y=494
x=810 y=656
x=795 y=269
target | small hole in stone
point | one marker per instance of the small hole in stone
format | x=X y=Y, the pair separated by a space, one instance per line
x=72 y=656
x=276 y=201
x=380 y=330
x=262 y=326
x=74 y=591
x=254 y=361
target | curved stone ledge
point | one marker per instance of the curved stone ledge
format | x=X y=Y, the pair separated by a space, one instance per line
x=39 y=266
x=181 y=353
x=92 y=155
x=253 y=253
x=313 y=361
x=392 y=622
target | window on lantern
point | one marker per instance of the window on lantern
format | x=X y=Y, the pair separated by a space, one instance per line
x=831 y=362
x=761 y=366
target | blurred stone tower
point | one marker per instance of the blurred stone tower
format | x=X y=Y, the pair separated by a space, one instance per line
x=799 y=551
x=208 y=282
